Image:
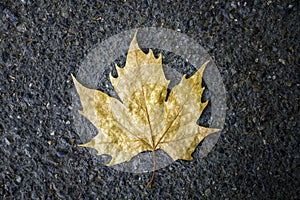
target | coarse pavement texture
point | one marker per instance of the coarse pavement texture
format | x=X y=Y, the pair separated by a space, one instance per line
x=255 y=45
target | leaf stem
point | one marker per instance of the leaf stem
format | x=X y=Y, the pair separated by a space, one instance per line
x=149 y=184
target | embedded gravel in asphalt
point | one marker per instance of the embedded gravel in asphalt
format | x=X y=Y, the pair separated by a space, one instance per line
x=255 y=46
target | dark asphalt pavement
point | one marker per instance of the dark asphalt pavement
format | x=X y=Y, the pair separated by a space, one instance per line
x=254 y=44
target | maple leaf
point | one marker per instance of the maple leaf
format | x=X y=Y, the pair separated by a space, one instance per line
x=143 y=120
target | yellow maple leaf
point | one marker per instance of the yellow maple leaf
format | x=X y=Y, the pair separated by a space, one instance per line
x=144 y=120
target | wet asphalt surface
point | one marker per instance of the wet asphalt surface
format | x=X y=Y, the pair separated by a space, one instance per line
x=255 y=46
